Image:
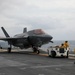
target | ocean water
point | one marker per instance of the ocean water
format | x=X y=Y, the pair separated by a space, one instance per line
x=58 y=43
x=44 y=47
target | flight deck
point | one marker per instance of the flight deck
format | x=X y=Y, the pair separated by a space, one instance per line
x=28 y=63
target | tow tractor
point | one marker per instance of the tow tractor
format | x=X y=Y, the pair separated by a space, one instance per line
x=55 y=51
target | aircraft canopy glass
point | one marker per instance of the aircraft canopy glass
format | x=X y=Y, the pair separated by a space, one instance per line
x=39 y=31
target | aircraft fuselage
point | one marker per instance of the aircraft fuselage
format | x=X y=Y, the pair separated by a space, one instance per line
x=32 y=40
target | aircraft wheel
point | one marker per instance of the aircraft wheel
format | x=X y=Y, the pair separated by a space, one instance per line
x=38 y=51
x=9 y=50
x=35 y=49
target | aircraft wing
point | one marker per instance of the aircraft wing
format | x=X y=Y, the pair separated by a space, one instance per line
x=12 y=38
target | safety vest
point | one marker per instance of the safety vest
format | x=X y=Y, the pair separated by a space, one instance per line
x=66 y=45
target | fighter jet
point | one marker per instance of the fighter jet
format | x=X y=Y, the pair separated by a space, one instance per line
x=34 y=38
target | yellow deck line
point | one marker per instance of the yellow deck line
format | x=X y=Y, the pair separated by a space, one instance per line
x=71 y=57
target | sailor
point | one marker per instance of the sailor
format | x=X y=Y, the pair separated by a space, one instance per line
x=66 y=44
x=62 y=46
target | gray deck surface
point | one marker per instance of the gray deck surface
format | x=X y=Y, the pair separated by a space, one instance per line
x=26 y=63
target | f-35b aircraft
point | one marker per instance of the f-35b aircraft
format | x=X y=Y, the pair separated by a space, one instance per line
x=34 y=38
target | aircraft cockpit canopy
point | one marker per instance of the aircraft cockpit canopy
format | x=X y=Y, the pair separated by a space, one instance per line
x=38 y=31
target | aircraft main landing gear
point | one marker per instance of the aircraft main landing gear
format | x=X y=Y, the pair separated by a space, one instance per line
x=36 y=50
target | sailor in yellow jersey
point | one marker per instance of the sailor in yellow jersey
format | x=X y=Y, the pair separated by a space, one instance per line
x=62 y=46
x=66 y=44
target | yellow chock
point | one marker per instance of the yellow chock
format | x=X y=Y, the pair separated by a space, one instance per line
x=74 y=50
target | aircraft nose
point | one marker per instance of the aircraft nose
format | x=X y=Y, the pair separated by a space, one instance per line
x=49 y=37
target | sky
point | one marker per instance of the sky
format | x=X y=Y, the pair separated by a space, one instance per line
x=55 y=17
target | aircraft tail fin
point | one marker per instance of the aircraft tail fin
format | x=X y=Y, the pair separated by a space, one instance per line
x=6 y=34
x=24 y=30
